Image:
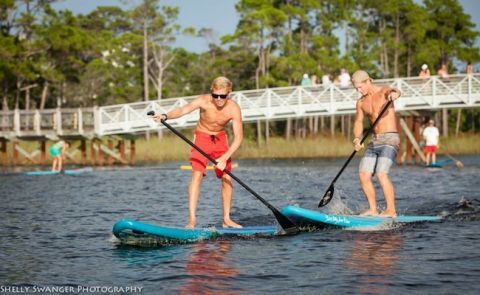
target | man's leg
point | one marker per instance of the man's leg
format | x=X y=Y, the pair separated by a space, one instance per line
x=369 y=190
x=227 y=193
x=389 y=193
x=434 y=157
x=427 y=158
x=193 y=193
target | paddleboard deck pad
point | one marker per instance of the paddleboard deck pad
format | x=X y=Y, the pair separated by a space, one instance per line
x=308 y=218
x=140 y=233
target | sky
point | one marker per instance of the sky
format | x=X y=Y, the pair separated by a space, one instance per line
x=219 y=15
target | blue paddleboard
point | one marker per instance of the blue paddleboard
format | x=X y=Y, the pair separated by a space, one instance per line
x=434 y=165
x=67 y=172
x=136 y=232
x=306 y=217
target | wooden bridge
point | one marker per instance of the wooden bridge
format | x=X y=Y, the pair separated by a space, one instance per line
x=125 y=121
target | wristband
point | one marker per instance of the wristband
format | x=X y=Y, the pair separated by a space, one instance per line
x=166 y=117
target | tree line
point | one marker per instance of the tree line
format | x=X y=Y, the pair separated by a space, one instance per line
x=51 y=58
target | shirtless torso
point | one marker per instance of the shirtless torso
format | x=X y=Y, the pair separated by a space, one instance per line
x=214 y=119
x=371 y=106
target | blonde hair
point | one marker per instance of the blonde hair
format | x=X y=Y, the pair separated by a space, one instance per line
x=221 y=82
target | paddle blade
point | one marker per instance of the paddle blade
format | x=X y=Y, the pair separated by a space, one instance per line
x=327 y=197
x=287 y=225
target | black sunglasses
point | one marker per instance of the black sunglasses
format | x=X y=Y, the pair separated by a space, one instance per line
x=222 y=96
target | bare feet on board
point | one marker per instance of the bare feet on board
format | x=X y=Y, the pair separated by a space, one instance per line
x=191 y=224
x=229 y=223
x=369 y=212
x=388 y=213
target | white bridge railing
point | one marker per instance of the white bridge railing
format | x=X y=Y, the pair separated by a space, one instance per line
x=458 y=91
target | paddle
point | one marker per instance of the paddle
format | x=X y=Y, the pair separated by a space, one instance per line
x=457 y=162
x=331 y=189
x=288 y=226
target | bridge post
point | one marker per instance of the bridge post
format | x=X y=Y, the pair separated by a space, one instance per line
x=100 y=153
x=259 y=132
x=43 y=152
x=93 y=154
x=267 y=131
x=83 y=151
x=445 y=122
x=110 y=158
x=15 y=153
x=132 y=152
x=332 y=125
x=416 y=133
x=121 y=149
x=3 y=149
x=402 y=138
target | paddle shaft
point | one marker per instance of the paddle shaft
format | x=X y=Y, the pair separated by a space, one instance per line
x=283 y=220
x=361 y=142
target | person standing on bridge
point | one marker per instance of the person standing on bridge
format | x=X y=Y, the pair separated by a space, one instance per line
x=216 y=111
x=57 y=151
x=382 y=150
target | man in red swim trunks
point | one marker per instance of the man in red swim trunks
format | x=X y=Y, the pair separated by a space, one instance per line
x=216 y=111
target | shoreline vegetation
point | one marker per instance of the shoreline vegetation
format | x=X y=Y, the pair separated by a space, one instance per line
x=171 y=148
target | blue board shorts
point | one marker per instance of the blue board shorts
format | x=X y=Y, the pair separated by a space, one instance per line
x=381 y=153
x=54 y=152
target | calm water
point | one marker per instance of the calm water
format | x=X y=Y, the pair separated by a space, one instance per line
x=56 y=231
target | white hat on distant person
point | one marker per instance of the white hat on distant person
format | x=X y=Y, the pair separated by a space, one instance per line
x=305 y=76
x=424 y=67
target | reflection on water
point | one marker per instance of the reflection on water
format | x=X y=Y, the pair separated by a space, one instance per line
x=208 y=269
x=139 y=257
x=373 y=256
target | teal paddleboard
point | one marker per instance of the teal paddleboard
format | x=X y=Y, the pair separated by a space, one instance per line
x=67 y=172
x=140 y=233
x=136 y=232
x=306 y=217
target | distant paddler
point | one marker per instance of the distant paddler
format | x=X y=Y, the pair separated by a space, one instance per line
x=382 y=150
x=216 y=111
x=57 y=151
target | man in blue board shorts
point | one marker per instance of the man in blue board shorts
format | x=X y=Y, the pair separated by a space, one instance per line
x=382 y=150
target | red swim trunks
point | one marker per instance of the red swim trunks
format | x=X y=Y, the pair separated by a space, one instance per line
x=215 y=146
x=430 y=148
